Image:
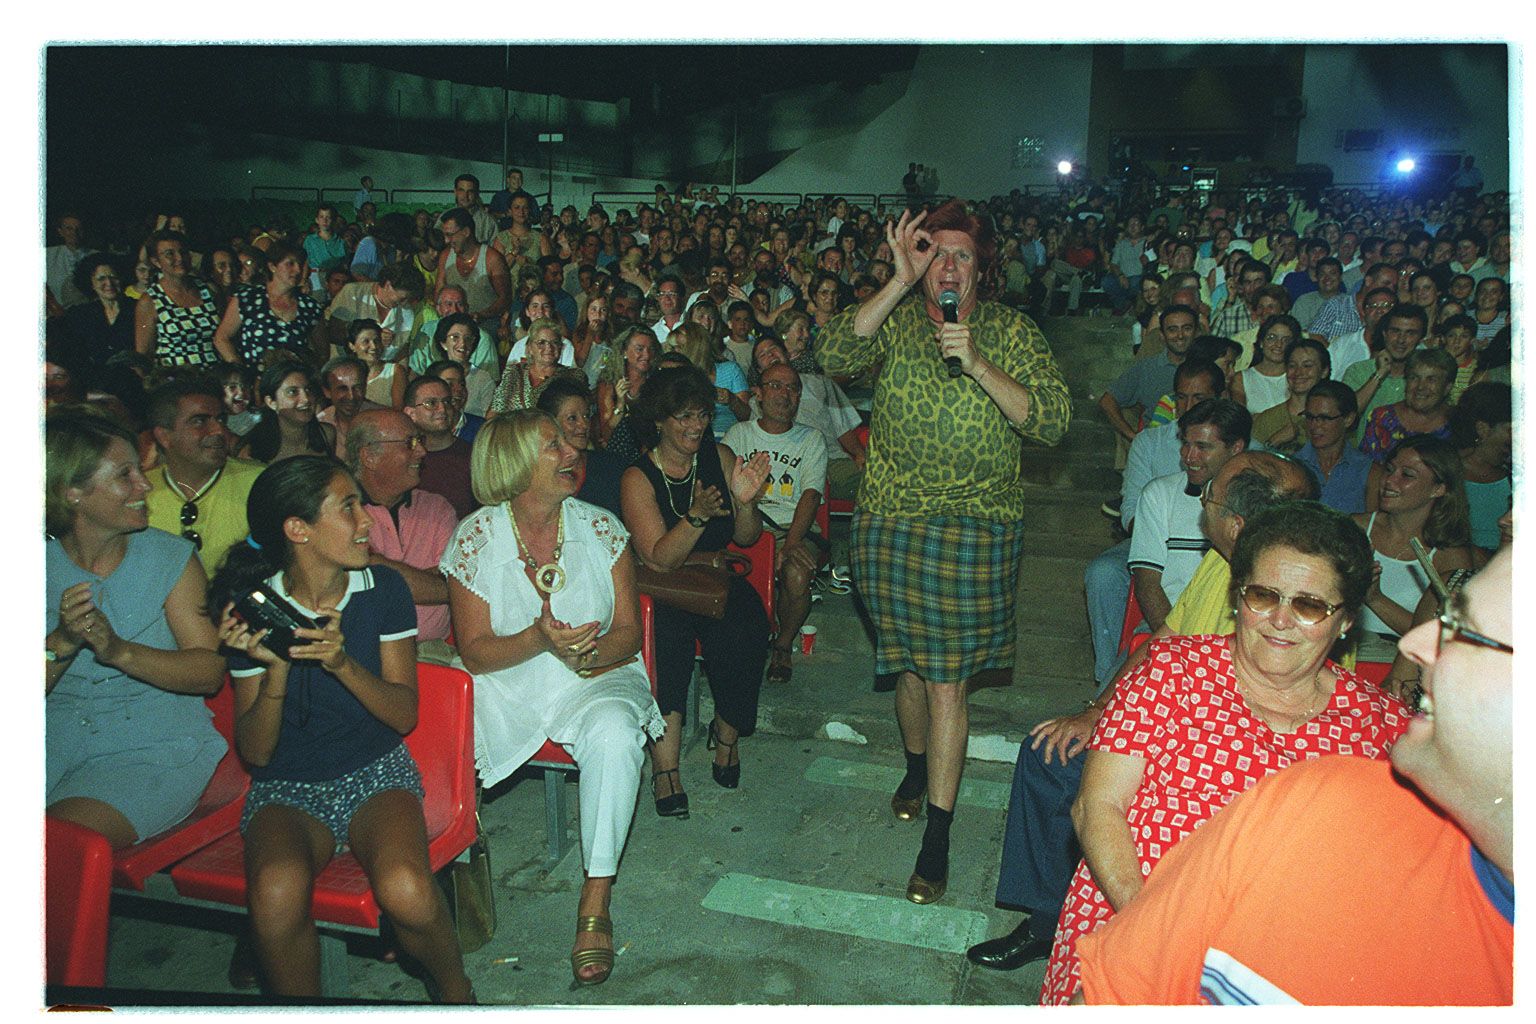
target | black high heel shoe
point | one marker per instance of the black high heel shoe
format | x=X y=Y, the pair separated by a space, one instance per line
x=675 y=804
x=726 y=775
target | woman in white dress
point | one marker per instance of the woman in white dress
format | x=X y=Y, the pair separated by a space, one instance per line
x=547 y=617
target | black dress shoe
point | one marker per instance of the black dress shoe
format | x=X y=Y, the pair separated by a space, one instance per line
x=1010 y=952
x=243 y=972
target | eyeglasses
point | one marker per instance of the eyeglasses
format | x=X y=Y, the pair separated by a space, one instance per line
x=1309 y=610
x=1319 y=417
x=1451 y=628
x=432 y=403
x=779 y=385
x=414 y=441
x=188 y=518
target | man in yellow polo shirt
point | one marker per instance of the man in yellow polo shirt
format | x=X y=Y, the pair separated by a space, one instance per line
x=198 y=491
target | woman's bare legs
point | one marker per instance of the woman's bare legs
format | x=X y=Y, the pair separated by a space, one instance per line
x=389 y=839
x=284 y=850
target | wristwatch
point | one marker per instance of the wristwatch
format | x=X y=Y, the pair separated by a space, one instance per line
x=699 y=522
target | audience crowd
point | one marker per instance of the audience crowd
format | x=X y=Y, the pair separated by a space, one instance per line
x=1319 y=398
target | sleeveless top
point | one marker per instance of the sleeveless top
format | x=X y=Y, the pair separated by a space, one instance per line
x=184 y=335
x=674 y=497
x=530 y=249
x=261 y=329
x=1400 y=580
x=478 y=293
x=379 y=388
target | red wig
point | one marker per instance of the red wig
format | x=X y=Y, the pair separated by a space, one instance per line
x=952 y=217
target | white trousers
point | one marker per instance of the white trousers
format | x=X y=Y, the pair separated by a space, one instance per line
x=609 y=750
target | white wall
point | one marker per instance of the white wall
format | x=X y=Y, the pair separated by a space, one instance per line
x=962 y=110
x=1431 y=99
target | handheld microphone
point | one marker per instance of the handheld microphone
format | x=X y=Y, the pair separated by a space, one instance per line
x=949 y=302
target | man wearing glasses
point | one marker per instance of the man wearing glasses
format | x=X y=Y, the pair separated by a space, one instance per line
x=198 y=491
x=1336 y=881
x=411 y=525
x=445 y=458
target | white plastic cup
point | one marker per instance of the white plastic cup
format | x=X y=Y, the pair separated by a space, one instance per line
x=807 y=639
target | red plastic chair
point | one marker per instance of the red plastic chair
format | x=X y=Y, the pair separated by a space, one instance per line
x=1133 y=618
x=559 y=766
x=443 y=745
x=1373 y=671
x=762 y=552
x=217 y=812
x=77 y=883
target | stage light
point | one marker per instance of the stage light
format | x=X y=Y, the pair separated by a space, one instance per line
x=1064 y=167
x=1405 y=165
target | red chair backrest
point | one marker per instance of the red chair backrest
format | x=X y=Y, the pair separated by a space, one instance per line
x=761 y=577
x=443 y=743
x=78 y=888
x=1133 y=618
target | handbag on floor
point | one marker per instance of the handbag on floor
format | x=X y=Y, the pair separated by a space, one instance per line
x=471 y=900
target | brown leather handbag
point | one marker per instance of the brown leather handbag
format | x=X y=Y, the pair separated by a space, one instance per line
x=698 y=587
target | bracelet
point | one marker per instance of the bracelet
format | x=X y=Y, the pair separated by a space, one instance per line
x=986 y=371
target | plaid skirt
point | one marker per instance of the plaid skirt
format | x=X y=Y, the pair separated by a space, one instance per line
x=940 y=592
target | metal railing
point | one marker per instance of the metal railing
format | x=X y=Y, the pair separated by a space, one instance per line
x=308 y=191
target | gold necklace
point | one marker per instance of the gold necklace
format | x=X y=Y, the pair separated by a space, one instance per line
x=686 y=481
x=1293 y=721
x=548 y=578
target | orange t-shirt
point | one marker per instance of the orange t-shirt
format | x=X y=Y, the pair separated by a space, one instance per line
x=1331 y=881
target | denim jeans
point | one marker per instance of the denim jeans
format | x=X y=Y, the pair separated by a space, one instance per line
x=1107 y=587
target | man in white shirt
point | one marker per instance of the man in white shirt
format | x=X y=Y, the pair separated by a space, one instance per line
x=791 y=496
x=61 y=261
x=669 y=295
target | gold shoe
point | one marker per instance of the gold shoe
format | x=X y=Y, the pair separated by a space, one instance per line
x=907 y=810
x=921 y=890
x=595 y=956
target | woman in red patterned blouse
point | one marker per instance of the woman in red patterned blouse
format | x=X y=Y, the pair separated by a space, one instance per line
x=1204 y=718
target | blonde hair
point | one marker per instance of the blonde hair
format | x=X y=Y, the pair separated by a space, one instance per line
x=692 y=340
x=77 y=439
x=501 y=462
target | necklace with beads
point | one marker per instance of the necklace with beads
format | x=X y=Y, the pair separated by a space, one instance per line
x=686 y=483
x=550 y=578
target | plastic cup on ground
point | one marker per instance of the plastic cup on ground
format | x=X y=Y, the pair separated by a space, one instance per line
x=807 y=639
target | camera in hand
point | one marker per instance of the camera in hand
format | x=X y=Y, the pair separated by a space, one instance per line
x=263 y=609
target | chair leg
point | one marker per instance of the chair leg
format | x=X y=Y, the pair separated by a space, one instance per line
x=698 y=729
x=556 y=813
x=333 y=966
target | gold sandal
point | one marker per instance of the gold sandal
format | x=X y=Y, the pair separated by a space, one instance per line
x=595 y=956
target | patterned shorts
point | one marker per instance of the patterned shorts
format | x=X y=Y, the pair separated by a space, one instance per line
x=940 y=592
x=334 y=801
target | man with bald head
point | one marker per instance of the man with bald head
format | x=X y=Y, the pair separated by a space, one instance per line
x=1040 y=849
x=411 y=526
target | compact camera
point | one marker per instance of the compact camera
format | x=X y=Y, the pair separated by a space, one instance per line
x=263 y=609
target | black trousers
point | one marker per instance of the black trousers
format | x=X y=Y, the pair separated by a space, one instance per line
x=735 y=650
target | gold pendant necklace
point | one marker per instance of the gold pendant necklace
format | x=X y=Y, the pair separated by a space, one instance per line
x=550 y=578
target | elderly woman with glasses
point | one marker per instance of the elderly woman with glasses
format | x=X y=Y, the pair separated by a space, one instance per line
x=1204 y=718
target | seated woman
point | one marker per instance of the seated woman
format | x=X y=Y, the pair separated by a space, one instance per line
x=288 y=396
x=570 y=406
x=684 y=503
x=277 y=314
x=130 y=745
x=1425 y=407
x=455 y=337
x=329 y=770
x=93 y=332
x=176 y=319
x=692 y=341
x=1281 y=427
x=1204 y=718
x=525 y=379
x=386 y=380
x=1481 y=430
x=1264 y=383
x=593 y=338
x=570 y=673
x=618 y=388
x=1341 y=469
x=1420 y=497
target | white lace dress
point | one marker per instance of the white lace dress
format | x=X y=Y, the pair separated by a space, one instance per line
x=517 y=708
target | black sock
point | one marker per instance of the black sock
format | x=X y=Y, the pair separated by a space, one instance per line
x=933 y=859
x=916 y=780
